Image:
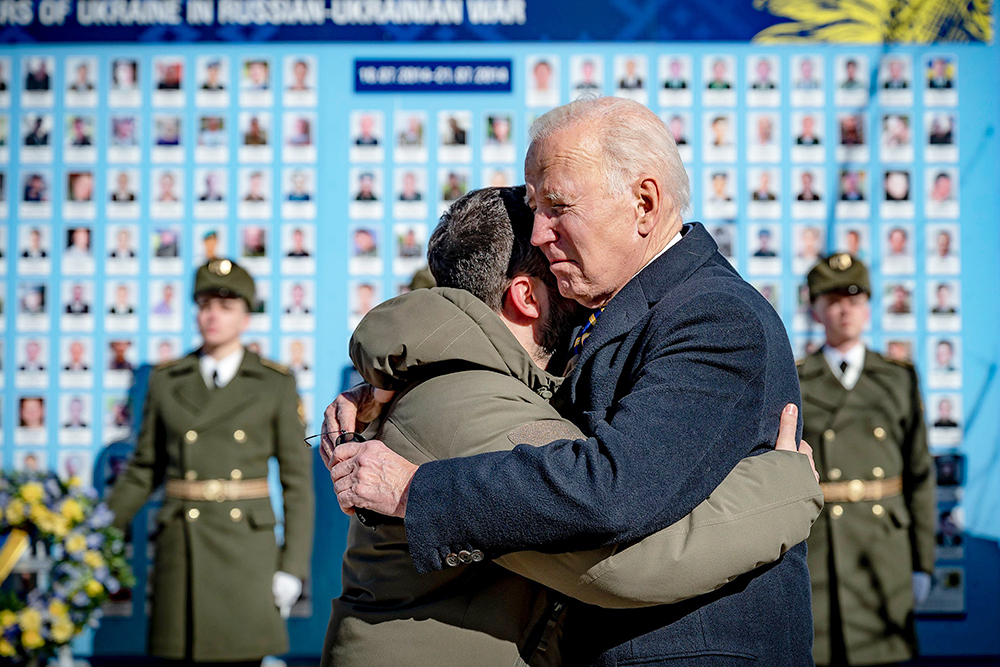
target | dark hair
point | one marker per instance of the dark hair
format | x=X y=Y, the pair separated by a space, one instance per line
x=483 y=241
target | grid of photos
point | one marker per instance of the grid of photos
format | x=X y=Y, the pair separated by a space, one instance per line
x=127 y=172
x=406 y=168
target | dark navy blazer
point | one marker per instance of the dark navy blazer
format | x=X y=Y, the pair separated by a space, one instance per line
x=685 y=374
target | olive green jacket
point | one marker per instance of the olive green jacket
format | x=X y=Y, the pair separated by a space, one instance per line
x=467 y=386
x=869 y=550
x=223 y=553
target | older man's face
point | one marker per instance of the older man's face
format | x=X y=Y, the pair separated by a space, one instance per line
x=589 y=236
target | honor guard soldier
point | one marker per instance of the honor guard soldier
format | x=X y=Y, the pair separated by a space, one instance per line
x=212 y=419
x=871 y=551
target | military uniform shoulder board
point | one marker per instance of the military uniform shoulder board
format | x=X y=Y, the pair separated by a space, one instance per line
x=168 y=364
x=275 y=366
x=908 y=365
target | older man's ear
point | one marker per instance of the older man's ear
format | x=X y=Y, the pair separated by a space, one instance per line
x=649 y=204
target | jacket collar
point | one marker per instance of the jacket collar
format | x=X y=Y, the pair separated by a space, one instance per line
x=206 y=404
x=649 y=287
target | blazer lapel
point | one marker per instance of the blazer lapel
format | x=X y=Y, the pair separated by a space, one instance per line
x=630 y=305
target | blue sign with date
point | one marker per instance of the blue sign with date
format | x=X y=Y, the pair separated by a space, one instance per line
x=432 y=76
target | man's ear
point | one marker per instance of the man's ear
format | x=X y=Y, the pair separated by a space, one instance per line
x=522 y=299
x=650 y=200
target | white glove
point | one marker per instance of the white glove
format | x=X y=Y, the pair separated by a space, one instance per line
x=286 y=589
x=921 y=587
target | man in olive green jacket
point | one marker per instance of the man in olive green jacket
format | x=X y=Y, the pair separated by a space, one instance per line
x=211 y=421
x=447 y=347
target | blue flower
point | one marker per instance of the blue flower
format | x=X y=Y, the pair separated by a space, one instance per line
x=102 y=517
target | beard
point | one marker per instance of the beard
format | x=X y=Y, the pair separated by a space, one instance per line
x=563 y=317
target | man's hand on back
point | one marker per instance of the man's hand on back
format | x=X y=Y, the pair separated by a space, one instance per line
x=351 y=411
x=786 y=436
x=369 y=475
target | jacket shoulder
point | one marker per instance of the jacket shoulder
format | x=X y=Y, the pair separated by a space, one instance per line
x=275 y=366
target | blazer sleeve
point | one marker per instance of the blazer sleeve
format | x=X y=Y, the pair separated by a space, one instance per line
x=295 y=462
x=919 y=484
x=146 y=469
x=638 y=473
x=766 y=505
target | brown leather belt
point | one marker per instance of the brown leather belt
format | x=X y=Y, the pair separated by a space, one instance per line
x=858 y=490
x=219 y=490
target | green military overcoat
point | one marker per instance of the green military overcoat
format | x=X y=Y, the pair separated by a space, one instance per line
x=867 y=551
x=215 y=560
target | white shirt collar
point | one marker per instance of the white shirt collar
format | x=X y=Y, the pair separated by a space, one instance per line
x=855 y=358
x=226 y=367
x=673 y=242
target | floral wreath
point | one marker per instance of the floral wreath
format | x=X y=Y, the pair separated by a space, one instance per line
x=85 y=557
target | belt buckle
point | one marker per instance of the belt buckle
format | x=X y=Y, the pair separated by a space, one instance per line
x=214 y=490
x=855 y=490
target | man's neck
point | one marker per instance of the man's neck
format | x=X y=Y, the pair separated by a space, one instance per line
x=843 y=346
x=222 y=350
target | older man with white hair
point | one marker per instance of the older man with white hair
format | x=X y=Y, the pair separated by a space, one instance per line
x=682 y=370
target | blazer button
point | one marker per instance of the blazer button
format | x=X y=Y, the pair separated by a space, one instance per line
x=193 y=514
x=236 y=474
x=878 y=473
x=829 y=434
x=878 y=510
x=465 y=556
x=477 y=556
x=239 y=436
x=235 y=514
x=451 y=560
x=836 y=510
x=191 y=436
x=879 y=433
x=190 y=475
x=835 y=474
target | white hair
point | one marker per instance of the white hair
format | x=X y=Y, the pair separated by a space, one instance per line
x=632 y=138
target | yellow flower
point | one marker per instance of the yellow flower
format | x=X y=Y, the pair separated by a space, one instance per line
x=7 y=618
x=15 y=512
x=62 y=631
x=74 y=482
x=59 y=526
x=40 y=514
x=93 y=559
x=30 y=620
x=32 y=492
x=71 y=510
x=58 y=608
x=6 y=648
x=76 y=543
x=94 y=588
x=32 y=639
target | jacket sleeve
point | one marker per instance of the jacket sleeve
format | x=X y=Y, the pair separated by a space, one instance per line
x=295 y=462
x=146 y=469
x=638 y=473
x=919 y=484
x=766 y=505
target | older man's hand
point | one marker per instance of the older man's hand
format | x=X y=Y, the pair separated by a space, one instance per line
x=786 y=436
x=352 y=410
x=369 y=475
